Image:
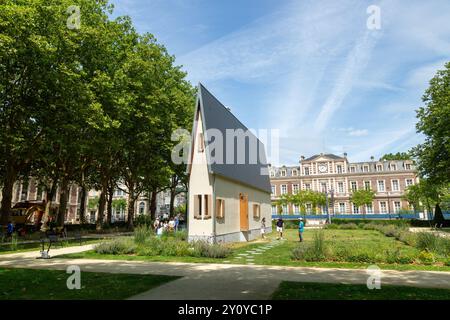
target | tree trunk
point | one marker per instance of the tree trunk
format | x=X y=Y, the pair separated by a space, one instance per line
x=63 y=199
x=83 y=204
x=48 y=204
x=101 y=206
x=7 y=193
x=109 y=206
x=153 y=205
x=172 y=202
x=131 y=201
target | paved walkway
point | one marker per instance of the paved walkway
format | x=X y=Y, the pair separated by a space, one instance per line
x=221 y=281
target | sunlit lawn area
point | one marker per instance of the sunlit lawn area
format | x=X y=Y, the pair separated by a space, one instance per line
x=326 y=291
x=28 y=284
x=36 y=246
x=364 y=240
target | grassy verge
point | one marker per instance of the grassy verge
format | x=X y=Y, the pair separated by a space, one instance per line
x=362 y=241
x=327 y=291
x=26 y=284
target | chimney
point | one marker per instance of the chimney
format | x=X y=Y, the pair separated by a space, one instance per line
x=345 y=154
x=372 y=157
x=302 y=158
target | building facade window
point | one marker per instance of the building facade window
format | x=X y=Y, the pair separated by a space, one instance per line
x=323 y=187
x=380 y=185
x=352 y=169
x=408 y=166
x=273 y=190
x=308 y=208
x=339 y=169
x=283 y=173
x=366 y=168
x=395 y=185
x=409 y=182
x=307 y=186
x=141 y=207
x=220 y=208
x=355 y=209
x=353 y=185
x=393 y=167
x=383 y=207
x=274 y=209
x=295 y=188
x=367 y=185
x=283 y=189
x=397 y=206
x=369 y=208
x=340 y=187
x=296 y=209
x=272 y=174
x=294 y=172
x=285 y=209
x=379 y=167
x=306 y=171
x=342 y=207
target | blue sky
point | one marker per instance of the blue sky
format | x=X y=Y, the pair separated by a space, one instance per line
x=310 y=68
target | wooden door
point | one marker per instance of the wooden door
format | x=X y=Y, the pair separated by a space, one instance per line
x=243 y=209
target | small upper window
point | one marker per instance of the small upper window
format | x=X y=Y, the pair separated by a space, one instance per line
x=256 y=211
x=294 y=172
x=393 y=167
x=379 y=167
x=201 y=142
x=408 y=166
x=306 y=171
x=352 y=169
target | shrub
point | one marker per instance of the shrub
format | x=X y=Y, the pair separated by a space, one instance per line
x=116 y=246
x=426 y=257
x=317 y=251
x=14 y=242
x=207 y=250
x=428 y=242
x=143 y=220
x=142 y=233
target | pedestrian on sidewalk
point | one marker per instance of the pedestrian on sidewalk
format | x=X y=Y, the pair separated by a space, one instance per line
x=301 y=227
x=280 y=228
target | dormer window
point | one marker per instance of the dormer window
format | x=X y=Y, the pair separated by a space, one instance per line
x=393 y=167
x=366 y=168
x=272 y=174
x=408 y=166
x=283 y=173
x=306 y=171
x=379 y=167
x=294 y=172
x=352 y=169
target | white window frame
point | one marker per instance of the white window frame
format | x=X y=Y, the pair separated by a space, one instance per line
x=285 y=186
x=370 y=185
x=379 y=167
x=274 y=189
x=381 y=207
x=351 y=185
x=378 y=185
x=371 y=209
x=406 y=182
x=307 y=186
x=294 y=172
x=307 y=171
x=365 y=167
x=353 y=209
x=398 y=185
x=285 y=209
x=283 y=173
x=393 y=167
x=340 y=207
x=341 y=190
x=395 y=207
x=295 y=188
x=339 y=169
x=296 y=209
x=352 y=169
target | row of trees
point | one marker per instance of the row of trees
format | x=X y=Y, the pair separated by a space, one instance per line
x=92 y=104
x=318 y=199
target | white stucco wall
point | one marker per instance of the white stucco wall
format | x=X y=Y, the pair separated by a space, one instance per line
x=199 y=183
x=229 y=191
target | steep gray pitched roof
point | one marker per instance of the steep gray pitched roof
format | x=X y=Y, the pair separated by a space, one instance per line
x=217 y=116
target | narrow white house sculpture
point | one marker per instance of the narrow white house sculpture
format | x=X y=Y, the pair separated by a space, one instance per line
x=229 y=186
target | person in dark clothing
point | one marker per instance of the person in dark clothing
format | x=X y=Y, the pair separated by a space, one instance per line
x=280 y=228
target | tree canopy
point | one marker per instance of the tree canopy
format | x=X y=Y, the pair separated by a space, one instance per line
x=92 y=105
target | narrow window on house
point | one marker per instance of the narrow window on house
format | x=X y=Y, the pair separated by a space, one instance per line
x=220 y=208
x=367 y=185
x=397 y=206
x=383 y=207
x=341 y=207
x=198 y=206
x=354 y=186
x=274 y=209
x=381 y=186
x=369 y=208
x=295 y=188
x=408 y=166
x=273 y=189
x=306 y=171
x=283 y=189
x=409 y=182
x=256 y=211
x=379 y=167
x=201 y=142
x=395 y=185
x=339 y=169
x=207 y=209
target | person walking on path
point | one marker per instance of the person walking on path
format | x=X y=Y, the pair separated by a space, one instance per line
x=263 y=228
x=280 y=228
x=301 y=227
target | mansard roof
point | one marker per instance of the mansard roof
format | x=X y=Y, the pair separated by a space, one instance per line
x=327 y=155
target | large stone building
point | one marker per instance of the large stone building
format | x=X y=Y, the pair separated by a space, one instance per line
x=338 y=176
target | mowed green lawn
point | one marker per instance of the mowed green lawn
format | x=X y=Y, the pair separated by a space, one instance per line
x=281 y=254
x=29 y=284
x=328 y=291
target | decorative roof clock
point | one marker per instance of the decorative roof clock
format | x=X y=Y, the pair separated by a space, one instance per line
x=323 y=168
